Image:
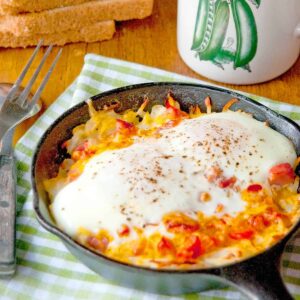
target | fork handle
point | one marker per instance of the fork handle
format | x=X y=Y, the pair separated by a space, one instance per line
x=3 y=130
x=7 y=215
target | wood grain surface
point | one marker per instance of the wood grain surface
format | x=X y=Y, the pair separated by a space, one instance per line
x=152 y=42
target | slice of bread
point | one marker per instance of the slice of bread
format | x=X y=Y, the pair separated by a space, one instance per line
x=13 y=7
x=99 y=31
x=75 y=17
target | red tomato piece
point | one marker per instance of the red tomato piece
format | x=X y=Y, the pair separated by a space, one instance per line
x=227 y=182
x=281 y=174
x=124 y=230
x=192 y=248
x=121 y=124
x=254 y=188
x=258 y=222
x=247 y=234
x=82 y=147
x=82 y=151
x=270 y=215
x=165 y=245
x=215 y=241
x=168 y=103
x=98 y=244
x=182 y=226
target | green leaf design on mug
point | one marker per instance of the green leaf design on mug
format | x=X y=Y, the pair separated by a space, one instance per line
x=211 y=28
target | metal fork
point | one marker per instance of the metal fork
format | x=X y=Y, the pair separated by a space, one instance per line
x=15 y=108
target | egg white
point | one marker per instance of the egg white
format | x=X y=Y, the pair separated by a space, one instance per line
x=139 y=184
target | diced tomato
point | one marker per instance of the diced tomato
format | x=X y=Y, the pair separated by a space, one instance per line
x=99 y=244
x=124 y=230
x=281 y=174
x=248 y=234
x=191 y=249
x=121 y=125
x=227 y=182
x=254 y=188
x=258 y=222
x=226 y=219
x=215 y=241
x=178 y=226
x=179 y=222
x=270 y=215
x=165 y=245
x=82 y=151
x=82 y=147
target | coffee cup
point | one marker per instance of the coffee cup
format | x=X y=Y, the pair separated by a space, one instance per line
x=239 y=41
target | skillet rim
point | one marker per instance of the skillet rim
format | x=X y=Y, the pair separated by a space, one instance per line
x=65 y=238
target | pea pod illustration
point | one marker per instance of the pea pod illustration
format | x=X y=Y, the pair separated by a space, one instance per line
x=246 y=33
x=204 y=21
x=219 y=29
x=211 y=27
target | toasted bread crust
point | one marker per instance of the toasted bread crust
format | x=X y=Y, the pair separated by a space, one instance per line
x=13 y=7
x=75 y=17
x=98 y=31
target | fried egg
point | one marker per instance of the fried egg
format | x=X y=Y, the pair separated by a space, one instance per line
x=139 y=184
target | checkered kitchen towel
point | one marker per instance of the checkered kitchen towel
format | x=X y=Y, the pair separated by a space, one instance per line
x=46 y=270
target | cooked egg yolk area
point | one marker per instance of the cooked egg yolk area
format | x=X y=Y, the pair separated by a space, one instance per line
x=198 y=189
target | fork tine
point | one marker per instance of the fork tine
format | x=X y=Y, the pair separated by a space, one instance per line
x=17 y=84
x=36 y=96
x=24 y=96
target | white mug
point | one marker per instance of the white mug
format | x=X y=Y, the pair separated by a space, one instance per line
x=239 y=41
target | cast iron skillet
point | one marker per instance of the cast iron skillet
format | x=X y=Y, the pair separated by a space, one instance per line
x=257 y=277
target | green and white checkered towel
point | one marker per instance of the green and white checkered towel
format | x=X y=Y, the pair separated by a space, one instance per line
x=46 y=270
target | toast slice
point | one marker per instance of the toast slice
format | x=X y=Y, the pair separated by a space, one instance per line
x=98 y=31
x=13 y=7
x=75 y=17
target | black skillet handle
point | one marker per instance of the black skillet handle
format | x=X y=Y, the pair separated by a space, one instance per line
x=259 y=278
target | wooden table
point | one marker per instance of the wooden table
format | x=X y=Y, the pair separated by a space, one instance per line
x=151 y=42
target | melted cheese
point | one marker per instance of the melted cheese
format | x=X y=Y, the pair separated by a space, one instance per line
x=139 y=184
